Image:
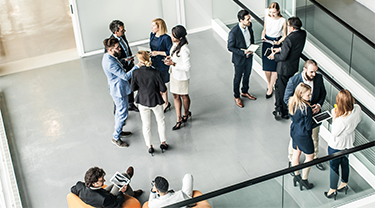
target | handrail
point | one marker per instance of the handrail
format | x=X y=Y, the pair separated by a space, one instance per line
x=305 y=58
x=343 y=23
x=271 y=175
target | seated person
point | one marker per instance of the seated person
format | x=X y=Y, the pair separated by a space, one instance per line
x=92 y=193
x=160 y=196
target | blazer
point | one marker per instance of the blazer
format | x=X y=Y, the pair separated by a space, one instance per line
x=148 y=82
x=127 y=66
x=319 y=92
x=97 y=197
x=164 y=44
x=236 y=42
x=291 y=49
x=301 y=126
x=182 y=69
x=118 y=79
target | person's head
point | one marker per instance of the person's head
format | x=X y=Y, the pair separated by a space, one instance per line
x=161 y=184
x=158 y=26
x=144 y=58
x=179 y=37
x=309 y=69
x=294 y=23
x=94 y=177
x=112 y=46
x=244 y=17
x=345 y=103
x=274 y=10
x=300 y=98
x=117 y=27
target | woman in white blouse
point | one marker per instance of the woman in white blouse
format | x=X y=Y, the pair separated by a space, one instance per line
x=179 y=63
x=346 y=117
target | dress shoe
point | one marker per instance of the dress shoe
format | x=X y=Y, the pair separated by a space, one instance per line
x=277 y=115
x=163 y=147
x=185 y=118
x=238 y=102
x=151 y=151
x=251 y=97
x=119 y=143
x=320 y=166
x=306 y=184
x=132 y=107
x=285 y=116
x=178 y=125
x=168 y=107
x=345 y=188
x=137 y=193
x=268 y=96
x=130 y=172
x=125 y=133
x=332 y=195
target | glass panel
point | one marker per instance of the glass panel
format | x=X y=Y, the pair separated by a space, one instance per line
x=363 y=62
x=198 y=14
x=225 y=11
x=289 y=7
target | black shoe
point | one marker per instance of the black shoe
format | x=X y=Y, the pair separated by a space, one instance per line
x=320 y=166
x=163 y=147
x=185 y=118
x=178 y=125
x=277 y=115
x=132 y=107
x=285 y=116
x=306 y=184
x=334 y=194
x=290 y=165
x=151 y=151
x=345 y=188
x=168 y=107
x=270 y=95
x=125 y=133
x=138 y=193
x=296 y=179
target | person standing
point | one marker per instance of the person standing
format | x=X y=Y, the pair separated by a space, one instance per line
x=287 y=58
x=346 y=116
x=119 y=88
x=273 y=34
x=160 y=45
x=118 y=31
x=318 y=95
x=179 y=63
x=240 y=38
x=149 y=83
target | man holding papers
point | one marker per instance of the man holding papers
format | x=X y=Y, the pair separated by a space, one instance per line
x=239 y=40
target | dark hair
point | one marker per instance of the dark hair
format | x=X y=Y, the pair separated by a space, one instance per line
x=115 y=26
x=309 y=62
x=93 y=175
x=110 y=42
x=295 y=22
x=179 y=32
x=241 y=14
x=161 y=184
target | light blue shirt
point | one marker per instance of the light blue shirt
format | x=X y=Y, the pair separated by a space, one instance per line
x=246 y=35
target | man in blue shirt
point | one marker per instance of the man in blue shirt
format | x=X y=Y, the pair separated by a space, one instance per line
x=119 y=88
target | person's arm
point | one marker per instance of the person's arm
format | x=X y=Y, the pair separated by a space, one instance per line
x=323 y=92
x=232 y=45
x=284 y=51
x=115 y=201
x=153 y=196
x=74 y=190
x=117 y=70
x=160 y=83
x=184 y=64
x=308 y=119
x=337 y=128
x=289 y=90
x=134 y=83
x=284 y=33
x=167 y=41
x=263 y=37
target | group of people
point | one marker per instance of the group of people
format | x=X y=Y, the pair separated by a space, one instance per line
x=168 y=61
x=297 y=96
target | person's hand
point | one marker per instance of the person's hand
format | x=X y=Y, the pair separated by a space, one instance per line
x=275 y=42
x=271 y=57
x=154 y=53
x=168 y=61
x=130 y=59
x=123 y=189
x=315 y=108
x=276 y=50
x=153 y=189
x=333 y=112
x=139 y=64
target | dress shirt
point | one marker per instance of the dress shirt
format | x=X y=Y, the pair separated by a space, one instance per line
x=156 y=201
x=310 y=83
x=246 y=35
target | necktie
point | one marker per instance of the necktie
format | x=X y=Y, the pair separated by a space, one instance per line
x=124 y=46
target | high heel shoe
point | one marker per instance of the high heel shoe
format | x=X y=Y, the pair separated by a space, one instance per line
x=168 y=107
x=178 y=125
x=296 y=178
x=345 y=188
x=185 y=118
x=306 y=184
x=151 y=151
x=268 y=96
x=163 y=147
x=334 y=194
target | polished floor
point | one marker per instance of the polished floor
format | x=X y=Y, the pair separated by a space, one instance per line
x=59 y=121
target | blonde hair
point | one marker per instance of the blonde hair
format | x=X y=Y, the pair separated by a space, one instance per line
x=161 y=25
x=345 y=103
x=276 y=6
x=144 y=58
x=296 y=101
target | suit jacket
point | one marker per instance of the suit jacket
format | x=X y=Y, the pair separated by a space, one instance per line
x=97 y=197
x=127 y=66
x=118 y=79
x=148 y=82
x=236 y=42
x=291 y=49
x=301 y=126
x=164 y=44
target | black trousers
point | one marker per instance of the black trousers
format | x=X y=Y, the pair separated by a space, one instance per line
x=280 y=86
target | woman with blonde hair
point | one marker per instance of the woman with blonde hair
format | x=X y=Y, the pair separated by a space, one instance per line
x=160 y=45
x=149 y=83
x=346 y=116
x=273 y=34
x=301 y=131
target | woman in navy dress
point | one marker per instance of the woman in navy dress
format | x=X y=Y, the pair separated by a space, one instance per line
x=301 y=131
x=160 y=45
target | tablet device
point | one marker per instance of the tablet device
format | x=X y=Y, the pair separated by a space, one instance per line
x=119 y=180
x=267 y=52
x=322 y=117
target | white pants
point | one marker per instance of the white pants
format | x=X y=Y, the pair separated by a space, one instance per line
x=146 y=122
x=315 y=138
x=187 y=184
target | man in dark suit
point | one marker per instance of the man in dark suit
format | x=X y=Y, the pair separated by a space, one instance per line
x=118 y=31
x=287 y=58
x=92 y=193
x=318 y=95
x=241 y=37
